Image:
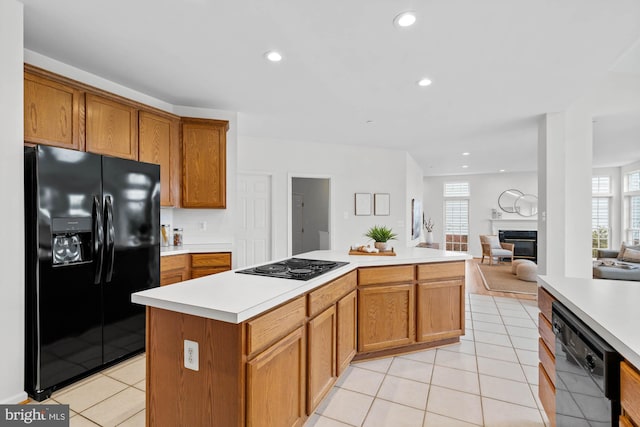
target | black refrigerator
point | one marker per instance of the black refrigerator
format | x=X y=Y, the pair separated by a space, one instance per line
x=92 y=227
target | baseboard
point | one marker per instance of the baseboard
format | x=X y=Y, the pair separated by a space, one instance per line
x=21 y=397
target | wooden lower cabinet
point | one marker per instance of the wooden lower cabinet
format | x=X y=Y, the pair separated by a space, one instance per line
x=276 y=384
x=347 y=337
x=321 y=356
x=629 y=393
x=174 y=269
x=546 y=352
x=440 y=310
x=386 y=316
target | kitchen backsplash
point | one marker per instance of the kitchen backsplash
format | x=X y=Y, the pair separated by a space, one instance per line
x=200 y=226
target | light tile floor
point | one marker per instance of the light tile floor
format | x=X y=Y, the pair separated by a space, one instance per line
x=490 y=378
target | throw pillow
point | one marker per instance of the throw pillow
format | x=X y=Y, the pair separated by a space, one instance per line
x=623 y=247
x=494 y=242
x=631 y=255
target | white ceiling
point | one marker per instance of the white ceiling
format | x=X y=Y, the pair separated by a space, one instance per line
x=496 y=66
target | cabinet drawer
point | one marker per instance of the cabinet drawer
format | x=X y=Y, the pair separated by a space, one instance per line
x=378 y=275
x=630 y=391
x=440 y=270
x=547 y=394
x=544 y=302
x=275 y=324
x=211 y=260
x=546 y=333
x=547 y=360
x=330 y=293
x=201 y=272
x=173 y=262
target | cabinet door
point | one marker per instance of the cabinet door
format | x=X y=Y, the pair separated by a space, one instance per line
x=321 y=356
x=111 y=127
x=346 y=346
x=386 y=317
x=173 y=276
x=51 y=113
x=276 y=384
x=156 y=145
x=204 y=157
x=440 y=311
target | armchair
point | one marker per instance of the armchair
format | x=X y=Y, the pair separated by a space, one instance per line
x=493 y=248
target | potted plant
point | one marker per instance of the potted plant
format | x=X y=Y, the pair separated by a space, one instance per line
x=381 y=234
x=428 y=225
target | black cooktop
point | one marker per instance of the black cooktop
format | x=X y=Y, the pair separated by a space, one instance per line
x=294 y=268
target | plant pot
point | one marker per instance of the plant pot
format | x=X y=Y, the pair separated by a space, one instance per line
x=428 y=237
x=383 y=246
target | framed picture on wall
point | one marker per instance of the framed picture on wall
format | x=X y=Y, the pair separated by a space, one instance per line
x=416 y=218
x=381 y=204
x=363 y=203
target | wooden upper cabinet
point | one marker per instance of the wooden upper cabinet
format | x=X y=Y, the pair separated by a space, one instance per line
x=158 y=142
x=204 y=156
x=111 y=128
x=51 y=113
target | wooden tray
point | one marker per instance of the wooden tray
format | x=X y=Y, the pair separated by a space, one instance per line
x=388 y=253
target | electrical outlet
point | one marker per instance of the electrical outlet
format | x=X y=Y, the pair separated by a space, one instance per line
x=202 y=225
x=191 y=360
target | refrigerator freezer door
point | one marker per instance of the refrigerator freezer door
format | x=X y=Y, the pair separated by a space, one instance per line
x=64 y=322
x=131 y=196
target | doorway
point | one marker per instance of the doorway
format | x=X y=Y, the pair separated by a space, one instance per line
x=310 y=200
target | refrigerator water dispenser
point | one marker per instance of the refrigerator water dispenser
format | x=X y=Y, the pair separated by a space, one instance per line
x=71 y=240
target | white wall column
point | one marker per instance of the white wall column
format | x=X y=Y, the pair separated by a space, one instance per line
x=12 y=213
x=564 y=185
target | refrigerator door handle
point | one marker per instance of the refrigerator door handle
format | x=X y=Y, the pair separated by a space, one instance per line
x=111 y=238
x=98 y=242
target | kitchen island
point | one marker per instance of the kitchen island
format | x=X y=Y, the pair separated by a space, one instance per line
x=609 y=308
x=265 y=351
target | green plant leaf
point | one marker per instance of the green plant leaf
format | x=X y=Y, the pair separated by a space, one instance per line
x=381 y=233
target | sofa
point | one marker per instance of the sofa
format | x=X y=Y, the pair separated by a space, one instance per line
x=623 y=264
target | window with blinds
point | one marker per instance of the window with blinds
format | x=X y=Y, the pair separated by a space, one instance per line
x=633 y=181
x=456 y=216
x=633 y=231
x=632 y=207
x=600 y=228
x=601 y=185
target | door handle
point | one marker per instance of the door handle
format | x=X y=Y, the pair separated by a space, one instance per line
x=111 y=238
x=98 y=239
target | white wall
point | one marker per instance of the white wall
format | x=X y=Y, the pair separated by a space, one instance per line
x=351 y=169
x=12 y=212
x=485 y=190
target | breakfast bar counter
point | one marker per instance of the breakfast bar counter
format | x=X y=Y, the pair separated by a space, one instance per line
x=233 y=297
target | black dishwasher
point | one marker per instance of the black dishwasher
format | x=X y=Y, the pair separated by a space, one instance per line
x=587 y=374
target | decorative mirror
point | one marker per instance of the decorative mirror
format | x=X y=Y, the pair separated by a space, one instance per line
x=507 y=200
x=527 y=205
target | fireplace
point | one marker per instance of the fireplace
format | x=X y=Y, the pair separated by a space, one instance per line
x=525 y=243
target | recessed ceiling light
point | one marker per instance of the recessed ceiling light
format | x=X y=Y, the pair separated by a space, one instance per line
x=466 y=153
x=405 y=19
x=465 y=166
x=273 y=56
x=501 y=170
x=424 y=82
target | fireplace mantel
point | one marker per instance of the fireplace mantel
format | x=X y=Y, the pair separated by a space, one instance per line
x=513 y=224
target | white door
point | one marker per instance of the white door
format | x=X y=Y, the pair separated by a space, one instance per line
x=253 y=234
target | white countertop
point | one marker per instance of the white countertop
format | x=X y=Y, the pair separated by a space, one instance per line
x=609 y=307
x=234 y=298
x=194 y=249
